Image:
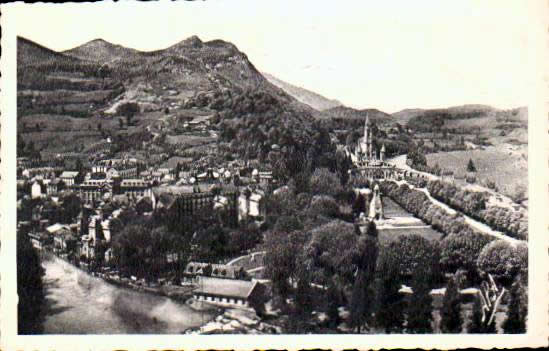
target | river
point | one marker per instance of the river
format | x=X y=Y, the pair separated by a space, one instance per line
x=77 y=303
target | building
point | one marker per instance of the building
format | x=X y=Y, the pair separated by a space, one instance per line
x=36 y=190
x=251 y=204
x=95 y=189
x=100 y=168
x=135 y=188
x=69 y=177
x=194 y=270
x=55 y=186
x=39 y=240
x=95 y=233
x=365 y=152
x=230 y=292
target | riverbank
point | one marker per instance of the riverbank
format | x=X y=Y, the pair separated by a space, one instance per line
x=78 y=303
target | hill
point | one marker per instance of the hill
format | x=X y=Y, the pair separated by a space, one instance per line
x=76 y=96
x=99 y=50
x=481 y=120
x=348 y=113
x=30 y=53
x=316 y=101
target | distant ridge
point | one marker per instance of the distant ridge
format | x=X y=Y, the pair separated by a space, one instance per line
x=349 y=113
x=305 y=96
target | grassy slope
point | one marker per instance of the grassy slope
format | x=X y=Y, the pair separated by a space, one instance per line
x=507 y=168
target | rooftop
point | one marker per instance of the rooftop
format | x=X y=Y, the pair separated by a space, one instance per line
x=69 y=174
x=225 y=287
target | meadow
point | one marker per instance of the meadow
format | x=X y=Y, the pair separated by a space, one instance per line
x=505 y=165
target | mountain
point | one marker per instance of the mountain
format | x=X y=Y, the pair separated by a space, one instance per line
x=81 y=90
x=99 y=50
x=349 y=113
x=30 y=53
x=316 y=101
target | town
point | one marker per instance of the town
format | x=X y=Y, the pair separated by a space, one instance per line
x=207 y=235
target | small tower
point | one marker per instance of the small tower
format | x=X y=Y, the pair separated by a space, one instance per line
x=382 y=153
x=376 y=205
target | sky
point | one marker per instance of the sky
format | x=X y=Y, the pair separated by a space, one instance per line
x=389 y=55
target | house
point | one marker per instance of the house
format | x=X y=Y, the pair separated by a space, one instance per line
x=230 y=292
x=39 y=240
x=251 y=204
x=36 y=190
x=55 y=186
x=95 y=189
x=95 y=233
x=101 y=168
x=157 y=176
x=135 y=187
x=64 y=241
x=69 y=177
x=87 y=248
x=193 y=270
x=63 y=238
x=122 y=172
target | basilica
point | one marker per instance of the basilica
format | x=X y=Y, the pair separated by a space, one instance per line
x=365 y=154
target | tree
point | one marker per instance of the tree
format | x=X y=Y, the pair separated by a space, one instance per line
x=517 y=308
x=502 y=260
x=412 y=253
x=29 y=287
x=362 y=294
x=359 y=205
x=323 y=205
x=280 y=259
x=71 y=205
x=104 y=72
x=389 y=315
x=451 y=309
x=476 y=325
x=461 y=250
x=419 y=309
x=359 y=302
x=128 y=110
x=471 y=166
x=325 y=182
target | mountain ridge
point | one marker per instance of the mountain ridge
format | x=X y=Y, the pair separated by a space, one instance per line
x=308 y=97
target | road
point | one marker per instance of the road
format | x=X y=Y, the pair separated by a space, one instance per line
x=77 y=303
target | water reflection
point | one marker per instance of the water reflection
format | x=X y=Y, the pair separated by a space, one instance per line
x=77 y=303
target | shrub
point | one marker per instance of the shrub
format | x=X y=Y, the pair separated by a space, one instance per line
x=503 y=261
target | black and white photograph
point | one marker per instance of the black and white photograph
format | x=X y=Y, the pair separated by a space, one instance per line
x=217 y=167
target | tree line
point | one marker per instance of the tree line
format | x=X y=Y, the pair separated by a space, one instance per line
x=512 y=222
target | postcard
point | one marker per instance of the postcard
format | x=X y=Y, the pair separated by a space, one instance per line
x=250 y=175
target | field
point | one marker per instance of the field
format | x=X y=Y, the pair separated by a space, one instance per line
x=506 y=165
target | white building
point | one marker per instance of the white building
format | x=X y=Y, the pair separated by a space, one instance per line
x=36 y=190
